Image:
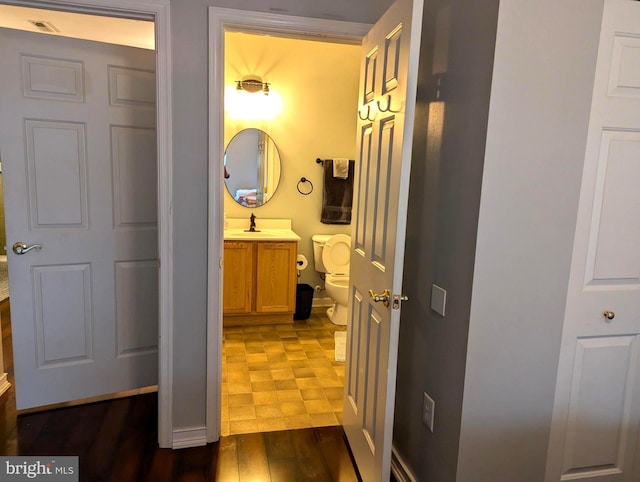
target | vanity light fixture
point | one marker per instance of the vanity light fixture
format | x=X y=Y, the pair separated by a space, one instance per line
x=252 y=99
x=253 y=85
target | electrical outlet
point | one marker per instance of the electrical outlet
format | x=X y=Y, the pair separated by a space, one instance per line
x=428 y=409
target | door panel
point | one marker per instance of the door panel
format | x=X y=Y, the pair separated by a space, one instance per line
x=78 y=147
x=63 y=314
x=600 y=404
x=133 y=158
x=56 y=172
x=625 y=65
x=359 y=237
x=132 y=87
x=55 y=79
x=136 y=326
x=354 y=384
x=372 y=340
x=392 y=59
x=387 y=104
x=612 y=258
x=379 y=197
x=596 y=419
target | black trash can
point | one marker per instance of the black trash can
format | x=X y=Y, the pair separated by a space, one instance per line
x=304 y=300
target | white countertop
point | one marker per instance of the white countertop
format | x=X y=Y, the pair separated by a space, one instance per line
x=266 y=230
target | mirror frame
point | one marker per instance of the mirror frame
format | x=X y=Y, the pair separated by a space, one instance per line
x=247 y=196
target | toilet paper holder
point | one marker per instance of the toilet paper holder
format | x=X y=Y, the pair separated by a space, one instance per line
x=301 y=262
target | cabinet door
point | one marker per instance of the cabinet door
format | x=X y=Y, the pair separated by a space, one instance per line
x=276 y=277
x=238 y=277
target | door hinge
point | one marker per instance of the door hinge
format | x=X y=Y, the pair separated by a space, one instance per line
x=397 y=299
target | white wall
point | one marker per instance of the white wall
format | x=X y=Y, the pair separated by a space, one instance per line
x=540 y=99
x=318 y=82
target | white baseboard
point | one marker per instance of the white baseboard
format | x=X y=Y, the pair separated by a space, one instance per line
x=190 y=437
x=4 y=383
x=399 y=468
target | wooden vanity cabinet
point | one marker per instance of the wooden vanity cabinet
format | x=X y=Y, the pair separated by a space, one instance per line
x=259 y=284
x=238 y=283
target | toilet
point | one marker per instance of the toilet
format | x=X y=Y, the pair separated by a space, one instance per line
x=332 y=254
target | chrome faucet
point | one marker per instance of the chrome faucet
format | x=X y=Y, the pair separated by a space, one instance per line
x=252 y=226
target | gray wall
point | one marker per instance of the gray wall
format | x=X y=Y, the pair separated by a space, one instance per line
x=190 y=160
x=540 y=101
x=457 y=47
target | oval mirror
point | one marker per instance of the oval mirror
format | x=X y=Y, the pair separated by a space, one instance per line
x=251 y=168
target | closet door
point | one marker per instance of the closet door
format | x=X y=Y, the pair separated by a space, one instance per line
x=596 y=422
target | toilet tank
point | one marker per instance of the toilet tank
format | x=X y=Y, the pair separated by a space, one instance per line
x=318 y=245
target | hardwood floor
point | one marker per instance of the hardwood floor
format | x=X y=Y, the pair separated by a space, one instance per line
x=116 y=440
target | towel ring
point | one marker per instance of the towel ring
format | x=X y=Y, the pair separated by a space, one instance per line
x=304 y=180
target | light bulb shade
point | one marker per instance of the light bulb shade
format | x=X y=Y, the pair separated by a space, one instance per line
x=243 y=105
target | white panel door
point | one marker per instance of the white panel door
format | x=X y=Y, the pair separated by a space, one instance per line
x=78 y=150
x=596 y=421
x=385 y=130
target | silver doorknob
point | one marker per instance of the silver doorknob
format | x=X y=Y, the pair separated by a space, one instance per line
x=609 y=315
x=384 y=297
x=21 y=247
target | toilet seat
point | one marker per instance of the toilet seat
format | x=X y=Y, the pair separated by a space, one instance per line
x=336 y=254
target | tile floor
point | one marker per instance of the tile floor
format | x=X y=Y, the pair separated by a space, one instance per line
x=281 y=377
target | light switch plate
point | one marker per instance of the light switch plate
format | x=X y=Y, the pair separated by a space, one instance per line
x=428 y=410
x=438 y=299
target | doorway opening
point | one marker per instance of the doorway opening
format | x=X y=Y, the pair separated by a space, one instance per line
x=305 y=61
x=155 y=74
x=278 y=373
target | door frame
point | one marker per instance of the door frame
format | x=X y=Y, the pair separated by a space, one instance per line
x=157 y=10
x=221 y=19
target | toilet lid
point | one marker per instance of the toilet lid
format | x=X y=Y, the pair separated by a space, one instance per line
x=336 y=254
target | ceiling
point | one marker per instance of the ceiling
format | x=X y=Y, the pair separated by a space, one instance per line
x=364 y=11
x=121 y=31
x=140 y=33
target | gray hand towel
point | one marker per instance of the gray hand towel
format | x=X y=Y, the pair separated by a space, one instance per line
x=337 y=195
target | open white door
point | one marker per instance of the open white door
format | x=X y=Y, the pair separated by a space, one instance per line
x=389 y=72
x=596 y=421
x=78 y=148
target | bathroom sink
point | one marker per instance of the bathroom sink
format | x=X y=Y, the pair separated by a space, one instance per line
x=266 y=230
x=262 y=234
